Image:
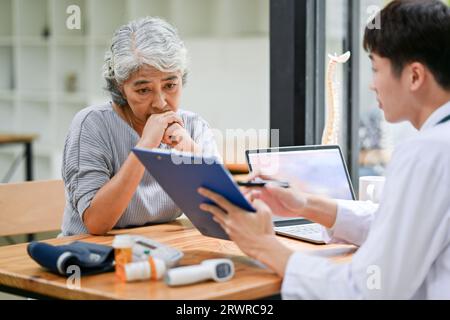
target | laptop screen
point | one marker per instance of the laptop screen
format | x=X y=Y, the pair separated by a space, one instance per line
x=318 y=170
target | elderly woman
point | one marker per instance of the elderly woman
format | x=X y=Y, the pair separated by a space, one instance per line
x=106 y=185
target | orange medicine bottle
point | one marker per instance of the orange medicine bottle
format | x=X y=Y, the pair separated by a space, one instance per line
x=123 y=251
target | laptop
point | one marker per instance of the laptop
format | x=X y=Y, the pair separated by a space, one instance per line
x=313 y=169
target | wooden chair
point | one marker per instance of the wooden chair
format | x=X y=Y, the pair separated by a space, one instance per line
x=31 y=207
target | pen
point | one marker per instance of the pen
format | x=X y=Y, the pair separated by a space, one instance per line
x=262 y=183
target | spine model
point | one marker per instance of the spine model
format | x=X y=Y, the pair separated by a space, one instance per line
x=333 y=112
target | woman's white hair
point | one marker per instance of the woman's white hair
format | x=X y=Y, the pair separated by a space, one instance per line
x=146 y=41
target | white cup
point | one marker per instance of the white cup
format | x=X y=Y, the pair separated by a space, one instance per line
x=371 y=188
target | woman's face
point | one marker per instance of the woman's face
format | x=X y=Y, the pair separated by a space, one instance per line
x=150 y=91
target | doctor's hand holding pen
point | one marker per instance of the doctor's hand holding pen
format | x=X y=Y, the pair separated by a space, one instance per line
x=292 y=202
x=253 y=233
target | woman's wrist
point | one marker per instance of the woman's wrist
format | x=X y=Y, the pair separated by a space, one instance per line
x=142 y=143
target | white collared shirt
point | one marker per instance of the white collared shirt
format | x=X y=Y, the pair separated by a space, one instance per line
x=405 y=244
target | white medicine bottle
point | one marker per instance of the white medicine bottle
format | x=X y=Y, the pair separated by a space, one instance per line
x=151 y=268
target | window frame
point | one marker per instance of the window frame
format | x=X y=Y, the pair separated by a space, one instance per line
x=297 y=75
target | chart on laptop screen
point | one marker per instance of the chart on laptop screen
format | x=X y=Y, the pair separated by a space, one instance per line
x=320 y=171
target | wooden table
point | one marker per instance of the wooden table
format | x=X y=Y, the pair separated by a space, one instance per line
x=26 y=140
x=237 y=168
x=20 y=274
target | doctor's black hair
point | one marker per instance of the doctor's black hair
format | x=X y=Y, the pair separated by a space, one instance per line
x=413 y=31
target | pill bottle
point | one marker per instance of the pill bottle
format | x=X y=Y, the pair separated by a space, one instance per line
x=152 y=268
x=123 y=250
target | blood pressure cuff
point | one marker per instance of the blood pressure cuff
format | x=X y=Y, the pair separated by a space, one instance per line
x=89 y=257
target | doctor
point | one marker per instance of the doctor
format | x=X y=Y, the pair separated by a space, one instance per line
x=405 y=243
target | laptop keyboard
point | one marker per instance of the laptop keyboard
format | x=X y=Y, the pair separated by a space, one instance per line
x=309 y=228
x=311 y=231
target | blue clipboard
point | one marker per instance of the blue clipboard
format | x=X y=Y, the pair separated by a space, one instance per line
x=181 y=174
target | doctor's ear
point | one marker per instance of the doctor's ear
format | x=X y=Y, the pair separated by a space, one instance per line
x=417 y=75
